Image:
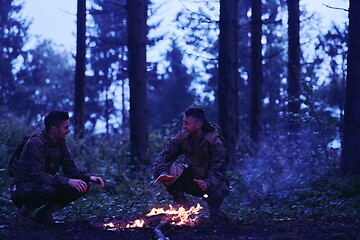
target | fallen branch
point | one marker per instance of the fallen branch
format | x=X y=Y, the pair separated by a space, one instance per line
x=157 y=230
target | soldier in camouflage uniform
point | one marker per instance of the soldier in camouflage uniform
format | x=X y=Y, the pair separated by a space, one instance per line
x=204 y=171
x=35 y=179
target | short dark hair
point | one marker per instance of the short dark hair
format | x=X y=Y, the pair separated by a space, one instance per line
x=196 y=112
x=54 y=118
x=199 y=114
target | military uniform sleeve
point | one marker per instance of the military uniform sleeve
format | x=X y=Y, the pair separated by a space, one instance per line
x=70 y=169
x=171 y=151
x=34 y=164
x=217 y=171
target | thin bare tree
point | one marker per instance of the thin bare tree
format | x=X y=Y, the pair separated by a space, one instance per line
x=137 y=35
x=80 y=68
x=228 y=74
x=256 y=77
x=294 y=52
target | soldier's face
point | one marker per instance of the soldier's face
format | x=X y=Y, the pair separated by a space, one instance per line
x=192 y=126
x=62 y=130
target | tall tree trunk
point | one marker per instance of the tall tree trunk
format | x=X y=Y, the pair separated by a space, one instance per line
x=3 y=17
x=124 y=121
x=2 y=84
x=228 y=74
x=137 y=32
x=294 y=65
x=80 y=68
x=350 y=159
x=107 y=111
x=342 y=101
x=256 y=77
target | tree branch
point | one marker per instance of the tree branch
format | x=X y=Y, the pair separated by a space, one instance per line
x=328 y=6
x=202 y=17
x=273 y=54
x=199 y=56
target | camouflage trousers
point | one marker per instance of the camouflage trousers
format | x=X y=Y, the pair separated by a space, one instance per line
x=185 y=184
x=32 y=195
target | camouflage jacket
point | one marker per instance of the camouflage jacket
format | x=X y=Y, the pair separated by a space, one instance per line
x=41 y=159
x=205 y=157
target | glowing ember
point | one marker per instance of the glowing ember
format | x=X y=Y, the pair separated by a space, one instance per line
x=137 y=223
x=179 y=217
x=109 y=225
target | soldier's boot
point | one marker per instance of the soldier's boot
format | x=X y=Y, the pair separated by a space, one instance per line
x=24 y=219
x=45 y=214
x=182 y=202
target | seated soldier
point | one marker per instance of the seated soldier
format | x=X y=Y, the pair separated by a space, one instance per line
x=204 y=171
x=35 y=179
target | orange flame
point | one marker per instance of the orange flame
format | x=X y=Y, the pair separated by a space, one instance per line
x=137 y=223
x=179 y=217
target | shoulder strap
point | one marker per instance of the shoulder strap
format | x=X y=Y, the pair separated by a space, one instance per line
x=16 y=155
x=211 y=136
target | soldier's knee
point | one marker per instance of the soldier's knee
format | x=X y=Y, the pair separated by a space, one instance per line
x=88 y=187
x=47 y=190
x=16 y=199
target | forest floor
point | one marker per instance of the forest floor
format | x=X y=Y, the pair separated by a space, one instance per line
x=261 y=229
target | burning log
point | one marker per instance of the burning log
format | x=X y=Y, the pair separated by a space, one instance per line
x=179 y=216
x=157 y=231
x=156 y=216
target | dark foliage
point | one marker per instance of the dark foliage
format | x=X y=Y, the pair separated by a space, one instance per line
x=45 y=81
x=170 y=95
x=107 y=41
x=13 y=36
x=278 y=181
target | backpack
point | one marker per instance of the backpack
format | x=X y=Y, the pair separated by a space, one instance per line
x=217 y=133
x=16 y=155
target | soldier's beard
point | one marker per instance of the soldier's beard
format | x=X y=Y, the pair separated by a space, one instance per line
x=192 y=134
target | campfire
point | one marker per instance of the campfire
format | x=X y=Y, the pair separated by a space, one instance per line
x=175 y=216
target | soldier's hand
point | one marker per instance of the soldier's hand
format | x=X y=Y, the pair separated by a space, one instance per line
x=201 y=184
x=165 y=179
x=78 y=184
x=97 y=180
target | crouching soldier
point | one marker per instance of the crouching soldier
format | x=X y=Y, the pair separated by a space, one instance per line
x=34 y=170
x=204 y=172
